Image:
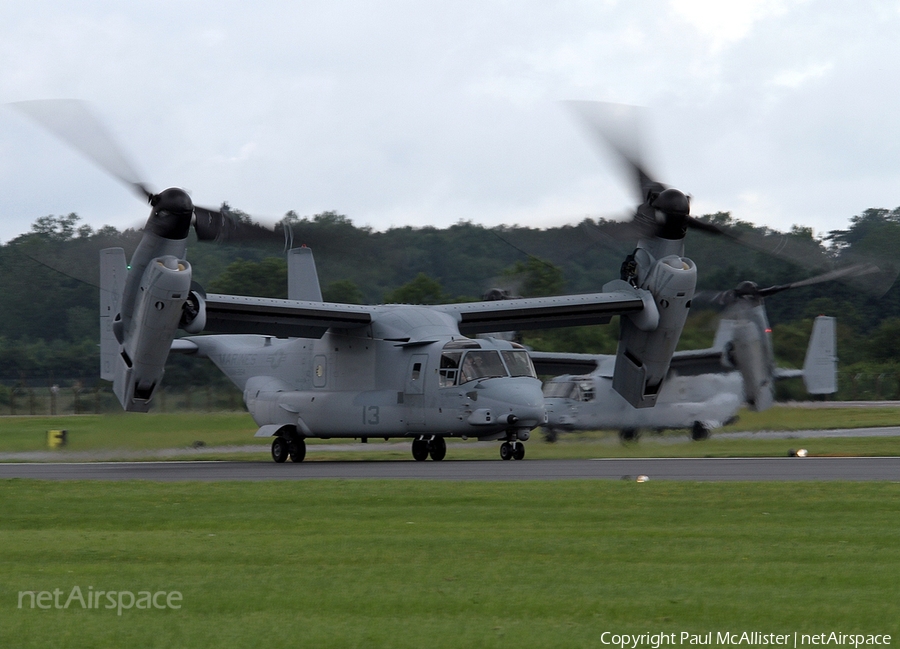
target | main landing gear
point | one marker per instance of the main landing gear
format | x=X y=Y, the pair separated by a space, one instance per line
x=512 y=451
x=284 y=447
x=436 y=447
x=699 y=431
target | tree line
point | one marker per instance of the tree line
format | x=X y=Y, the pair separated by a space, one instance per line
x=49 y=297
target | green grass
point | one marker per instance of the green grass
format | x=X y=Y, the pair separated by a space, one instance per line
x=788 y=418
x=142 y=432
x=416 y=564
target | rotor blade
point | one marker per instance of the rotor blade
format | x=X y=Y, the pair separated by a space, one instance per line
x=810 y=254
x=74 y=123
x=221 y=227
x=857 y=270
x=211 y=225
x=617 y=127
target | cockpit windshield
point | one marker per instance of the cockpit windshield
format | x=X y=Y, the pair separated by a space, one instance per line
x=464 y=360
x=481 y=364
x=577 y=390
x=559 y=389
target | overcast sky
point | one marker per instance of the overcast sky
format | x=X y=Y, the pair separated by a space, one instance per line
x=422 y=113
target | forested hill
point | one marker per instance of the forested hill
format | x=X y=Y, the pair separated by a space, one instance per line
x=49 y=298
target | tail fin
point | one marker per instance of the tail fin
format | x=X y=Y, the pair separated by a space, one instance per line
x=303 y=280
x=113 y=270
x=820 y=367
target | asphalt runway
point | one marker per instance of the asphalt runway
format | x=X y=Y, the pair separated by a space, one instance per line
x=696 y=469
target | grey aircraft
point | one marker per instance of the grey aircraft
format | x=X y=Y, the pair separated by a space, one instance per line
x=704 y=390
x=311 y=369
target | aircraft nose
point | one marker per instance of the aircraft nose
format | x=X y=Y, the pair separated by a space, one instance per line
x=518 y=402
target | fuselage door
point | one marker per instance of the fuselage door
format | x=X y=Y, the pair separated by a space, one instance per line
x=414 y=396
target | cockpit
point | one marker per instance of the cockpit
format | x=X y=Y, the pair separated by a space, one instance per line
x=579 y=390
x=463 y=361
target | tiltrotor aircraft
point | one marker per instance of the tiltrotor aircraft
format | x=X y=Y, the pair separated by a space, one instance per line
x=705 y=388
x=310 y=369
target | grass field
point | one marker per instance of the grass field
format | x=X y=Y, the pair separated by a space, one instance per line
x=138 y=432
x=415 y=564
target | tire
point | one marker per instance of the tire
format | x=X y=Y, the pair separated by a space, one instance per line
x=699 y=432
x=280 y=449
x=438 y=449
x=506 y=451
x=519 y=452
x=420 y=450
x=297 y=450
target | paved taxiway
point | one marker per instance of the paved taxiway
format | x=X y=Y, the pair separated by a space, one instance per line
x=703 y=469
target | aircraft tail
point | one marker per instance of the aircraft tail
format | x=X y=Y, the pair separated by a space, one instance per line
x=820 y=366
x=303 y=280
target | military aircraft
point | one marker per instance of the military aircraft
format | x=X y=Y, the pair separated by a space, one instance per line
x=310 y=369
x=704 y=390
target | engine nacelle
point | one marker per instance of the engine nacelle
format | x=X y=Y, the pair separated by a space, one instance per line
x=645 y=351
x=750 y=355
x=158 y=308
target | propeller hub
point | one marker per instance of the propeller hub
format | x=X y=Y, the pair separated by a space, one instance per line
x=172 y=212
x=672 y=202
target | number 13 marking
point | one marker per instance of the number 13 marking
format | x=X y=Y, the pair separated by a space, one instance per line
x=370 y=415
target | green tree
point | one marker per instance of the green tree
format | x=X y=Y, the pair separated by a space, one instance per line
x=343 y=291
x=537 y=278
x=266 y=278
x=421 y=290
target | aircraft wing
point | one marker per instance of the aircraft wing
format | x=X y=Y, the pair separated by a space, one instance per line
x=308 y=319
x=543 y=312
x=685 y=363
x=282 y=318
x=694 y=362
x=558 y=363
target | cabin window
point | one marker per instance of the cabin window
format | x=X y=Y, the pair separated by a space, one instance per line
x=416 y=371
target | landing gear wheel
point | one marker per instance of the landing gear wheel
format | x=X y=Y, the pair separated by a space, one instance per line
x=297 y=450
x=629 y=434
x=280 y=449
x=437 y=449
x=506 y=451
x=420 y=450
x=519 y=451
x=699 y=432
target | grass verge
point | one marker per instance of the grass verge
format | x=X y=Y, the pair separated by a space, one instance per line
x=410 y=564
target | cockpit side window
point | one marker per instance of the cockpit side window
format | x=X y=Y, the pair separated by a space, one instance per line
x=449 y=369
x=518 y=363
x=586 y=390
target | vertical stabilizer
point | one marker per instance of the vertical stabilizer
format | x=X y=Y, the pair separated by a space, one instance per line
x=113 y=270
x=820 y=367
x=303 y=280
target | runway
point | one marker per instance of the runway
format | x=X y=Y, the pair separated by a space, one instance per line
x=695 y=469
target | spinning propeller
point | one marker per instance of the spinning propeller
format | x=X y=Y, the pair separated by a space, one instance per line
x=751 y=292
x=664 y=212
x=173 y=210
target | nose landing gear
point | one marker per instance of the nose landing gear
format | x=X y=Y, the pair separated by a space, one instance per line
x=512 y=450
